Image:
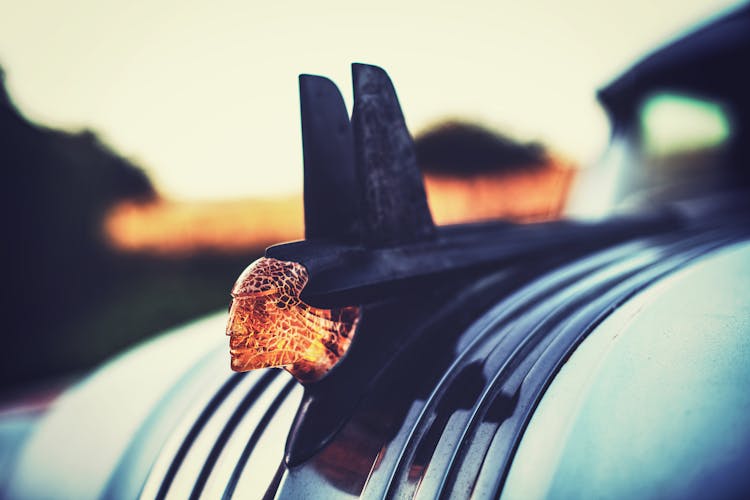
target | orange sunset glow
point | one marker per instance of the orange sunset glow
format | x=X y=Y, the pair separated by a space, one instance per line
x=168 y=227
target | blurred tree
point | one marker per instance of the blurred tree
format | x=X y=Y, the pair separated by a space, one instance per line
x=69 y=299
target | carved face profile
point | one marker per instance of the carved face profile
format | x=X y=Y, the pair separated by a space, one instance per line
x=270 y=326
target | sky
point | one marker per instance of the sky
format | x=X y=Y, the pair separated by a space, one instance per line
x=203 y=95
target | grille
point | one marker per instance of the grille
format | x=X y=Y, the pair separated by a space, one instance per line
x=232 y=440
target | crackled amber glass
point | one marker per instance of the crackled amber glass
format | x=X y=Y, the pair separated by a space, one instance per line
x=270 y=326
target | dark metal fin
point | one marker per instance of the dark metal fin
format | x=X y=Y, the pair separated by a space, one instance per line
x=393 y=202
x=331 y=188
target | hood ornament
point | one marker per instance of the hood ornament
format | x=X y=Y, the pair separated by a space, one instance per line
x=363 y=189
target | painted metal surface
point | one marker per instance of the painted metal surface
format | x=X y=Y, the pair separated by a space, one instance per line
x=442 y=417
x=655 y=402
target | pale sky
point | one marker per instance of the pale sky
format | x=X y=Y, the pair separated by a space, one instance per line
x=203 y=95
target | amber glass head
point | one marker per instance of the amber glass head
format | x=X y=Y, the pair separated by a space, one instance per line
x=270 y=326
